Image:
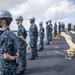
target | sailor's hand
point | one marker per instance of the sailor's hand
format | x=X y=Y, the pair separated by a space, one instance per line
x=41 y=31
x=21 y=37
x=16 y=58
x=25 y=40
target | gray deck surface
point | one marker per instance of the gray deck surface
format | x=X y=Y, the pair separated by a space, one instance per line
x=51 y=63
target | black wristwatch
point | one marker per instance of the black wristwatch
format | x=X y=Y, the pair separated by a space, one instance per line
x=15 y=59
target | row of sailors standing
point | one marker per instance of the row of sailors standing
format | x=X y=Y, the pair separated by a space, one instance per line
x=13 y=48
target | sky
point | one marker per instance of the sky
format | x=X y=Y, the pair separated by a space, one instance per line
x=42 y=10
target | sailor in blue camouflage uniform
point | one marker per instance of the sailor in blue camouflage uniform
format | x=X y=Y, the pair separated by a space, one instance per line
x=59 y=27
x=69 y=27
x=55 y=29
x=50 y=31
x=47 y=33
x=63 y=26
x=22 y=34
x=8 y=46
x=33 y=34
x=1 y=56
x=36 y=40
x=41 y=35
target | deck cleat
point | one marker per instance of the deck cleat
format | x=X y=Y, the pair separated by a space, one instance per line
x=56 y=36
x=71 y=53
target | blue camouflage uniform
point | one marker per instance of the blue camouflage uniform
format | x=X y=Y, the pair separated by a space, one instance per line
x=55 y=29
x=2 y=43
x=41 y=37
x=33 y=33
x=0 y=32
x=36 y=40
x=69 y=26
x=59 y=27
x=8 y=44
x=47 y=32
x=50 y=38
x=22 y=47
x=63 y=27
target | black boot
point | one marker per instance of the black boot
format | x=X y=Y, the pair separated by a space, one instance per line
x=32 y=57
x=36 y=55
x=21 y=72
x=47 y=43
x=54 y=35
x=40 y=49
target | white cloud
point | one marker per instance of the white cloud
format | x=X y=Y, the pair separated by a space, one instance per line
x=41 y=9
x=9 y=4
x=60 y=10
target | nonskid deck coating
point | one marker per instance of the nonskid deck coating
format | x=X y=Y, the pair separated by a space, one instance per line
x=51 y=63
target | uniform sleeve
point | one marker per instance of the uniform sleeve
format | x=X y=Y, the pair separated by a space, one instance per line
x=25 y=34
x=51 y=25
x=21 y=31
x=5 y=44
x=43 y=30
x=47 y=26
x=15 y=45
x=33 y=29
x=37 y=30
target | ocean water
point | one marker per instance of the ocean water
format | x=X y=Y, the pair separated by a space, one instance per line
x=27 y=39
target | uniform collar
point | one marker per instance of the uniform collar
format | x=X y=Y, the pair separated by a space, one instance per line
x=7 y=29
x=32 y=23
x=19 y=25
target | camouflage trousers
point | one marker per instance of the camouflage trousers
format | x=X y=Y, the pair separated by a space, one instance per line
x=10 y=69
x=22 y=58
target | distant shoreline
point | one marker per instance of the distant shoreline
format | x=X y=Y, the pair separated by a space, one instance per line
x=17 y=30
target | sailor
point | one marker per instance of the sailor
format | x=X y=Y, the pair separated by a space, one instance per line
x=50 y=31
x=47 y=33
x=22 y=35
x=41 y=34
x=33 y=34
x=55 y=29
x=8 y=46
x=59 y=27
